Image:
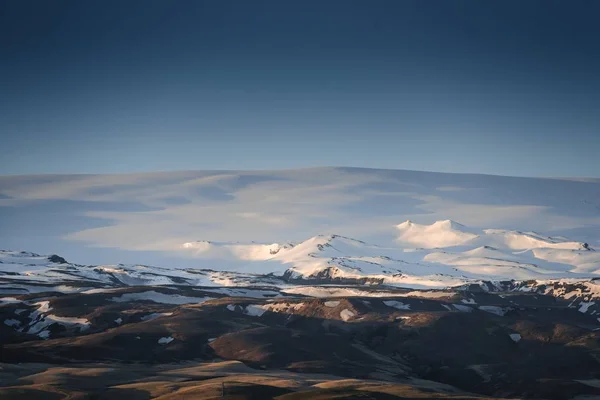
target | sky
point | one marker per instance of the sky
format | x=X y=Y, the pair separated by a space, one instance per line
x=497 y=87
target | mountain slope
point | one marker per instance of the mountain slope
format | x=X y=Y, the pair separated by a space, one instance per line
x=441 y=252
x=454 y=256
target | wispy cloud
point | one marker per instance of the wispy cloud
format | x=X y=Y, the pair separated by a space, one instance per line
x=272 y=206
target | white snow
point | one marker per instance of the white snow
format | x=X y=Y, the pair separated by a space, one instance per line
x=515 y=337
x=212 y=339
x=8 y=300
x=277 y=209
x=257 y=310
x=12 y=322
x=568 y=288
x=530 y=240
x=248 y=252
x=346 y=314
x=23 y=262
x=438 y=235
x=100 y=290
x=38 y=282
x=43 y=306
x=342 y=257
x=462 y=308
x=244 y=292
x=40 y=320
x=82 y=322
x=332 y=303
x=508 y=228
x=490 y=254
x=46 y=320
x=231 y=307
x=254 y=310
x=429 y=294
x=397 y=304
x=165 y=340
x=584 y=306
x=44 y=334
x=152 y=316
x=448 y=254
x=119 y=320
x=494 y=310
x=284 y=307
x=333 y=291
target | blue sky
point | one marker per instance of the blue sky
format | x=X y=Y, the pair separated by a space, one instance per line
x=498 y=87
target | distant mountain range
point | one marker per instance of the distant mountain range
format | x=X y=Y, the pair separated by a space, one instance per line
x=426 y=308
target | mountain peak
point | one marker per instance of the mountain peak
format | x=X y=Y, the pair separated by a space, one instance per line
x=406 y=224
x=444 y=233
x=448 y=224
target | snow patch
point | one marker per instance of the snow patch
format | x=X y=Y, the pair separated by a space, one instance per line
x=284 y=307
x=495 y=310
x=428 y=294
x=346 y=314
x=397 y=304
x=8 y=300
x=515 y=337
x=44 y=334
x=12 y=322
x=152 y=316
x=244 y=292
x=437 y=235
x=325 y=291
x=100 y=290
x=43 y=306
x=165 y=340
x=50 y=319
x=332 y=303
x=584 y=306
x=254 y=310
x=40 y=320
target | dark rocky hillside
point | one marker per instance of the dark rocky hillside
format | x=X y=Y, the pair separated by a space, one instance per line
x=144 y=342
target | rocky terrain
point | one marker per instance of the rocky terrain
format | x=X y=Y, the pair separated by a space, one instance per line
x=72 y=331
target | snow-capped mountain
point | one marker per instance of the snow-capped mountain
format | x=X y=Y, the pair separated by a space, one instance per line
x=146 y=217
x=159 y=218
x=442 y=255
x=328 y=295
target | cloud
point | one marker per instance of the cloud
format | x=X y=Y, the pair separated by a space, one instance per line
x=168 y=209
